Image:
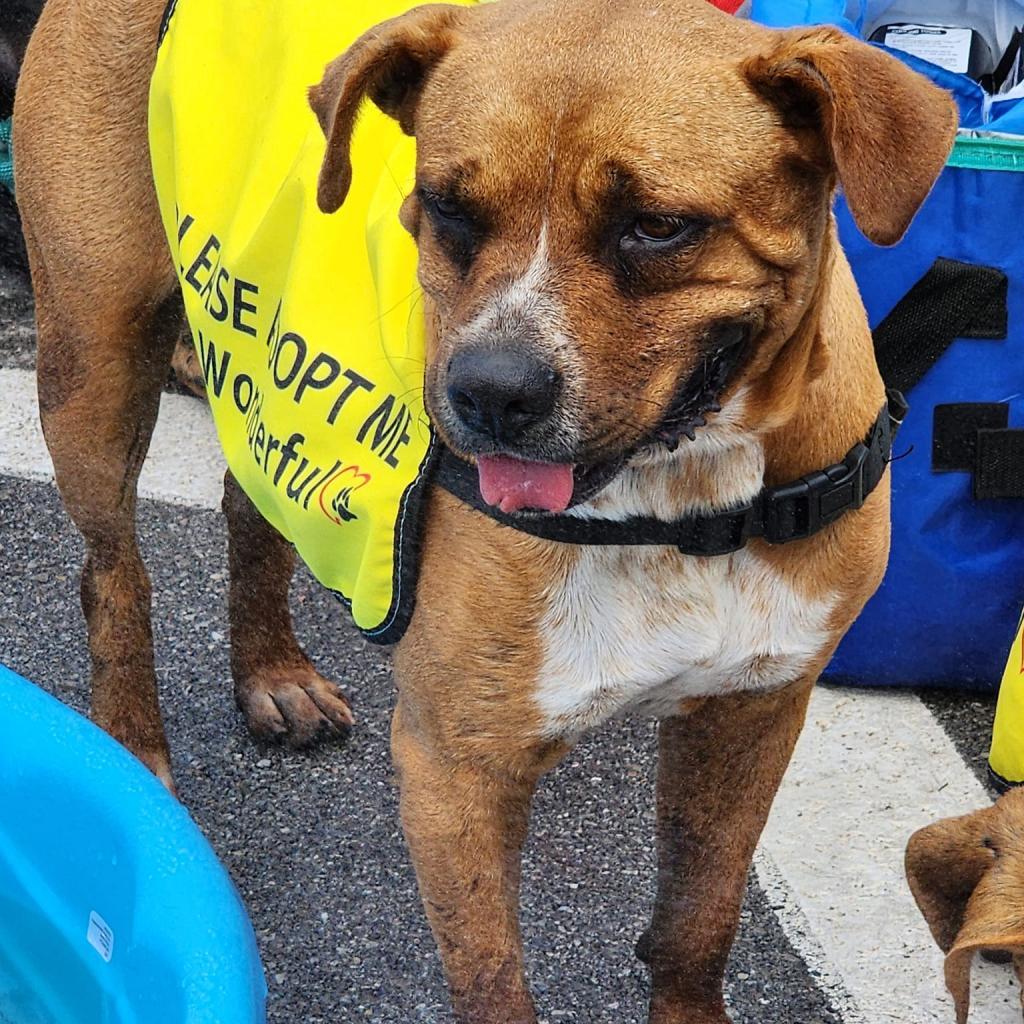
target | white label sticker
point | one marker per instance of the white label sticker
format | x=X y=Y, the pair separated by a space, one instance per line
x=950 y=48
x=100 y=936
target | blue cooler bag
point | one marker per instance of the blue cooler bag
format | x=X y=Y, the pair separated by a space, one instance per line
x=947 y=308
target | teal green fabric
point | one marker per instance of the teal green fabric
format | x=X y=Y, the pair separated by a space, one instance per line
x=6 y=157
x=988 y=154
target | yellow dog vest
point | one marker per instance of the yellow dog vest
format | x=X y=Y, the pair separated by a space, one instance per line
x=308 y=326
x=1006 y=758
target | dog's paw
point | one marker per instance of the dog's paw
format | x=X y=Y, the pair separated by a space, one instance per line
x=295 y=704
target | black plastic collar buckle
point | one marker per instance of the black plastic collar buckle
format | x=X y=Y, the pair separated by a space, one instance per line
x=798 y=510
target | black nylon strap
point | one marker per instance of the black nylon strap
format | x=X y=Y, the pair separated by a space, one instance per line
x=778 y=515
x=956 y=300
x=952 y=300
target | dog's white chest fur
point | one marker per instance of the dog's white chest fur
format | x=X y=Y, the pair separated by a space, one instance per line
x=628 y=632
x=645 y=628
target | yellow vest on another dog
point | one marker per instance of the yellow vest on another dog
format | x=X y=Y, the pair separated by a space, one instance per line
x=309 y=327
x=1006 y=758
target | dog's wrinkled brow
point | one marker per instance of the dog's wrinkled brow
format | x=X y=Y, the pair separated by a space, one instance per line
x=453 y=180
x=626 y=187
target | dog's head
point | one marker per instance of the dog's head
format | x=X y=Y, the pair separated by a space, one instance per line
x=967 y=875
x=622 y=212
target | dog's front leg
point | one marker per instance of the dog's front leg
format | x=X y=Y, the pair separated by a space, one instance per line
x=718 y=771
x=465 y=826
x=277 y=688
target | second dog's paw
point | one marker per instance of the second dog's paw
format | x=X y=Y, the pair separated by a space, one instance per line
x=293 y=703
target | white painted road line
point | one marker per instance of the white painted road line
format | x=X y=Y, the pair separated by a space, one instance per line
x=185 y=465
x=802 y=938
x=870 y=768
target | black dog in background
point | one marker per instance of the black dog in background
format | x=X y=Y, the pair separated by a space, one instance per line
x=17 y=19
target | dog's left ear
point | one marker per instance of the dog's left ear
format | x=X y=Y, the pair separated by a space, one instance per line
x=888 y=130
x=389 y=64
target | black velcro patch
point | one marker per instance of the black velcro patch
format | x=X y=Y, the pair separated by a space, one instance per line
x=999 y=472
x=955 y=432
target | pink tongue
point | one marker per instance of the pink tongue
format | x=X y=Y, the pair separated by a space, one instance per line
x=512 y=484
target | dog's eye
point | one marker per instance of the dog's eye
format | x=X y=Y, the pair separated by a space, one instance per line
x=443 y=206
x=659 y=230
x=458 y=226
x=448 y=208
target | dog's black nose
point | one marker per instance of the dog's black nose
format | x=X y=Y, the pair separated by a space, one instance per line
x=501 y=392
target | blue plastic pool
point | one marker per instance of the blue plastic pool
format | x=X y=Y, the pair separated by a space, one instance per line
x=113 y=907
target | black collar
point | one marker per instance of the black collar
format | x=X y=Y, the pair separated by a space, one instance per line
x=777 y=515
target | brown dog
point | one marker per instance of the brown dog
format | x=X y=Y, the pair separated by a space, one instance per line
x=652 y=177
x=967 y=875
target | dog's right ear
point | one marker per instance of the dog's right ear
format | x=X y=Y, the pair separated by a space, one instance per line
x=389 y=64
